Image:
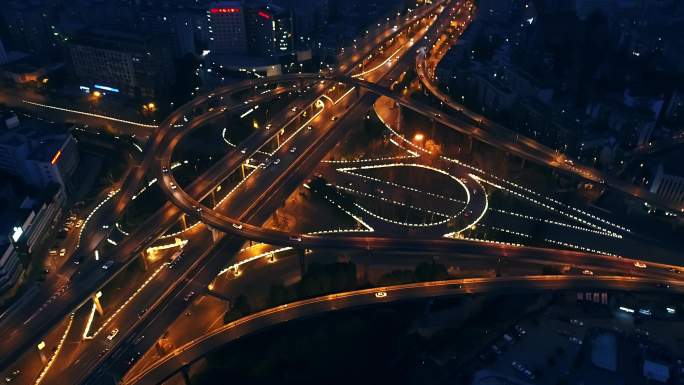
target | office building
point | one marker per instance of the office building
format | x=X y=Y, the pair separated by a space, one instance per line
x=226 y=25
x=270 y=30
x=37 y=154
x=138 y=66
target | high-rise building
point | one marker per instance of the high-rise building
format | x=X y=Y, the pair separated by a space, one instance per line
x=226 y=24
x=270 y=30
x=36 y=155
x=138 y=66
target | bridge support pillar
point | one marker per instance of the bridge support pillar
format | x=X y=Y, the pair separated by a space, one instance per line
x=186 y=375
x=143 y=261
x=302 y=261
x=215 y=234
x=98 y=305
x=184 y=222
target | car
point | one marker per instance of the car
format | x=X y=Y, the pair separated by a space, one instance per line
x=173 y=186
x=334 y=118
x=53 y=252
x=663 y=285
x=15 y=373
x=575 y=340
x=576 y=322
x=381 y=294
x=107 y=264
x=276 y=161
x=113 y=334
x=640 y=264
x=587 y=272
x=438 y=115
x=189 y=296
x=310 y=127
x=62 y=252
x=295 y=238
x=268 y=126
x=244 y=151
x=165 y=170
x=142 y=312
x=293 y=149
x=673 y=270
x=237 y=225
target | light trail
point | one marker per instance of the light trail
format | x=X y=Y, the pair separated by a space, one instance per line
x=120 y=308
x=90 y=114
x=58 y=349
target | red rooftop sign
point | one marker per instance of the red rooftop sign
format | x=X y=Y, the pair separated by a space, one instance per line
x=225 y=10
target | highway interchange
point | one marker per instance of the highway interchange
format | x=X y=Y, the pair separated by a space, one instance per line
x=240 y=216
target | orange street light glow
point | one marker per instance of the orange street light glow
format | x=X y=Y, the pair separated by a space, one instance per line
x=419 y=137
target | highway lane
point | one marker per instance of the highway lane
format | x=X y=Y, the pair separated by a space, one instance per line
x=276 y=185
x=199 y=347
x=173 y=140
x=29 y=318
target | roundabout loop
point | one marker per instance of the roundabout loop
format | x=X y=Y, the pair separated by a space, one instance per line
x=218 y=221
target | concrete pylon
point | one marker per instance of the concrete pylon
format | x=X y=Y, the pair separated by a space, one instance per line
x=143 y=261
x=98 y=305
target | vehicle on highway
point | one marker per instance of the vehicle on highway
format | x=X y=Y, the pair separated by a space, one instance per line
x=673 y=270
x=173 y=186
x=334 y=118
x=189 y=296
x=165 y=170
x=587 y=272
x=295 y=238
x=175 y=258
x=237 y=225
x=113 y=334
x=310 y=127
x=62 y=252
x=381 y=294
x=640 y=265
x=108 y=264
x=293 y=149
x=267 y=163
x=276 y=161
x=10 y=377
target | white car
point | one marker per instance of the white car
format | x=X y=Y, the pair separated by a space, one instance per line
x=381 y=294
x=113 y=334
x=640 y=265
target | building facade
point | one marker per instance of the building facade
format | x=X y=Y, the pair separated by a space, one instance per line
x=227 y=30
x=140 y=67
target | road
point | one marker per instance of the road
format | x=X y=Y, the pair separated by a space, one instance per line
x=188 y=353
x=250 y=205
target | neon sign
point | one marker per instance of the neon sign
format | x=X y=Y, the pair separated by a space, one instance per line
x=265 y=15
x=106 y=88
x=225 y=10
